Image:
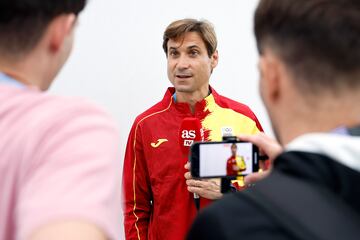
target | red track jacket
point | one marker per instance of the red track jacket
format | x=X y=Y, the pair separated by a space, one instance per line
x=157 y=204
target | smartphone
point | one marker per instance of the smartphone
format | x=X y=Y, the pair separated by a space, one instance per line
x=223 y=159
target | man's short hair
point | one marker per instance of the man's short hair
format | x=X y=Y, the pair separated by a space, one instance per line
x=179 y=28
x=318 y=40
x=22 y=22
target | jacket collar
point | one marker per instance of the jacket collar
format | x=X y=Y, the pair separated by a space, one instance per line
x=184 y=108
x=343 y=148
x=329 y=160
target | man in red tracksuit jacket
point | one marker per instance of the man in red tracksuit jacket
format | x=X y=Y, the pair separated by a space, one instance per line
x=235 y=163
x=158 y=203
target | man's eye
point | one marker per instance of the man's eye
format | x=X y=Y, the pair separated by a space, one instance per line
x=173 y=53
x=194 y=53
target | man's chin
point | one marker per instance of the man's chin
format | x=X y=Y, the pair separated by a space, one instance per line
x=184 y=89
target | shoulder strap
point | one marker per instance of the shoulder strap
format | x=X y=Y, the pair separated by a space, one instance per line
x=304 y=210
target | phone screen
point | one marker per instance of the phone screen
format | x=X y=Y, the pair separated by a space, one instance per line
x=223 y=159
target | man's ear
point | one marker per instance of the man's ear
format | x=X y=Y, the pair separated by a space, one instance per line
x=270 y=70
x=214 y=59
x=60 y=28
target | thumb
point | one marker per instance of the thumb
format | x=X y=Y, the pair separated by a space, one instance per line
x=255 y=177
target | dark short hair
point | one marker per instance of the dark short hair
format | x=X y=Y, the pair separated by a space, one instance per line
x=318 y=40
x=179 y=28
x=22 y=22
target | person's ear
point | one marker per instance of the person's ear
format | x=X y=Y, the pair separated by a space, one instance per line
x=214 y=60
x=270 y=71
x=59 y=29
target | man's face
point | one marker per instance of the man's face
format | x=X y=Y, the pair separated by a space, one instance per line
x=189 y=66
x=233 y=150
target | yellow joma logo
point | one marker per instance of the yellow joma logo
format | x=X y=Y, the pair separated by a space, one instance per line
x=158 y=142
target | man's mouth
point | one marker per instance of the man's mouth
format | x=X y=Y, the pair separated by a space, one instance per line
x=183 y=76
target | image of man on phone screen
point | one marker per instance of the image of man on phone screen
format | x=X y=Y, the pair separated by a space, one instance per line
x=235 y=164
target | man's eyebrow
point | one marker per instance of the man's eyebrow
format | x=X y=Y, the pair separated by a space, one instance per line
x=189 y=47
x=193 y=46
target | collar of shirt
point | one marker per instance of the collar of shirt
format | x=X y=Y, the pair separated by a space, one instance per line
x=174 y=95
x=5 y=79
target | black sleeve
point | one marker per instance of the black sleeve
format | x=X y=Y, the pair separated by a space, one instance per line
x=206 y=226
x=234 y=217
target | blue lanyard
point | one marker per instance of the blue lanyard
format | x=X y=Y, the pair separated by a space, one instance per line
x=5 y=79
x=174 y=97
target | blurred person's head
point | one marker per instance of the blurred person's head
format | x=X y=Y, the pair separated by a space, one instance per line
x=233 y=149
x=309 y=64
x=190 y=47
x=35 y=34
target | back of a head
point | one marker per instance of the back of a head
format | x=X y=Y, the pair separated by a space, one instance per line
x=22 y=22
x=318 y=40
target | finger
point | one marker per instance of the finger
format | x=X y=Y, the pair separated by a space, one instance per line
x=197 y=190
x=213 y=195
x=199 y=184
x=208 y=186
x=263 y=165
x=267 y=145
x=214 y=181
x=195 y=183
x=187 y=166
x=187 y=175
x=255 y=177
x=259 y=139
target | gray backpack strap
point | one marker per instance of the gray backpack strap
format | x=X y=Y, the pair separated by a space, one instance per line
x=303 y=209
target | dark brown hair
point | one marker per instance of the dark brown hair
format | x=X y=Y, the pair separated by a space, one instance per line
x=318 y=40
x=179 y=28
x=22 y=22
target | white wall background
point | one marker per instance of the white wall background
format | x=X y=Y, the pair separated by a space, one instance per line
x=118 y=61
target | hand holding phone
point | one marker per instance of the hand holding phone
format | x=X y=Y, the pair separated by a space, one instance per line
x=267 y=146
x=206 y=188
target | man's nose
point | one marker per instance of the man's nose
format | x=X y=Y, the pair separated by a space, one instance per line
x=183 y=62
